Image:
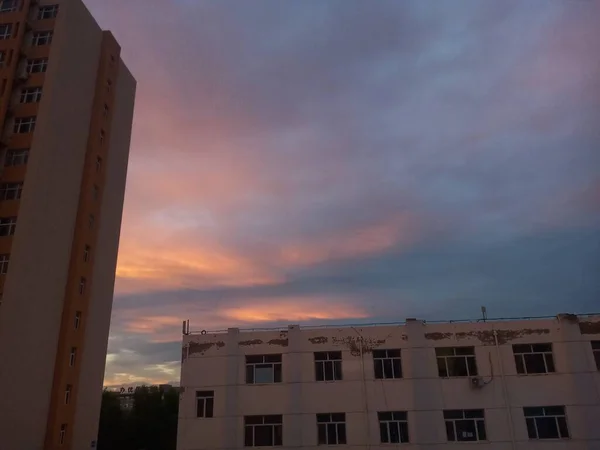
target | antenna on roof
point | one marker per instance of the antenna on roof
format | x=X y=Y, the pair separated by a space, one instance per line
x=483 y=313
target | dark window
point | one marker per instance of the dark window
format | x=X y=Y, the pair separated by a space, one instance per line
x=91 y=221
x=331 y=428
x=31 y=95
x=86 y=253
x=205 y=402
x=82 y=285
x=328 y=366
x=105 y=111
x=533 y=358
x=456 y=361
x=11 y=191
x=98 y=163
x=72 y=356
x=546 y=422
x=108 y=85
x=465 y=425
x=77 y=319
x=8 y=226
x=63 y=434
x=68 y=394
x=4 y=260
x=47 y=12
x=38 y=65
x=5 y=31
x=42 y=38
x=102 y=134
x=596 y=351
x=95 y=192
x=393 y=427
x=387 y=364
x=263 y=431
x=7 y=6
x=263 y=369
x=16 y=157
x=24 y=125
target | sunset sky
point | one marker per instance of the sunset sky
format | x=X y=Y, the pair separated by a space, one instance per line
x=326 y=161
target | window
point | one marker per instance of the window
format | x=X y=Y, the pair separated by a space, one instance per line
x=5 y=31
x=105 y=111
x=11 y=191
x=77 y=319
x=31 y=95
x=331 y=428
x=456 y=361
x=72 y=356
x=7 y=6
x=546 y=422
x=95 y=191
x=81 y=285
x=263 y=369
x=533 y=358
x=393 y=427
x=263 y=431
x=596 y=351
x=101 y=136
x=108 y=85
x=63 y=434
x=4 y=260
x=387 y=364
x=47 y=12
x=38 y=65
x=328 y=366
x=91 y=221
x=24 y=125
x=465 y=425
x=42 y=38
x=86 y=253
x=98 y=163
x=2 y=58
x=67 y=394
x=205 y=401
x=7 y=226
x=16 y=157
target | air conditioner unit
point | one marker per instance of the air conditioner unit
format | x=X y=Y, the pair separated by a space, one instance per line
x=476 y=382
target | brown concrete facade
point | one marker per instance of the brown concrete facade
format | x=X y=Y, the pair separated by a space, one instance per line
x=57 y=292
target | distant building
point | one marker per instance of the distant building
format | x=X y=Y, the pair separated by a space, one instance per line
x=66 y=108
x=507 y=384
x=126 y=394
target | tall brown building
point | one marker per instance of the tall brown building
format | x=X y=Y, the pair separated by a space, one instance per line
x=66 y=105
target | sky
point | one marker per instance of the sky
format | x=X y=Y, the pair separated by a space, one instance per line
x=342 y=161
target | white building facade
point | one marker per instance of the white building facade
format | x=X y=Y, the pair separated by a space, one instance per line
x=499 y=384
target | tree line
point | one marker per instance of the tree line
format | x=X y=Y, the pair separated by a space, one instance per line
x=150 y=424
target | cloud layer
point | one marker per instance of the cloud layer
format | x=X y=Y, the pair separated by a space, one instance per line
x=326 y=161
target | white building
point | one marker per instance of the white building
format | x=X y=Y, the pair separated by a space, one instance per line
x=499 y=384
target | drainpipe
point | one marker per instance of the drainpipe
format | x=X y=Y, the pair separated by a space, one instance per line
x=364 y=387
x=505 y=393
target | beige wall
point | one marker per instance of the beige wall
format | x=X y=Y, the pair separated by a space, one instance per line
x=96 y=337
x=216 y=362
x=35 y=286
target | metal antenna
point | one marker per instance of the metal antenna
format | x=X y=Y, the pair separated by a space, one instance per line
x=484 y=313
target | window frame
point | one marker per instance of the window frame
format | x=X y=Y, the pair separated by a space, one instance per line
x=82 y=285
x=37 y=62
x=24 y=123
x=13 y=8
x=4 y=263
x=329 y=422
x=11 y=191
x=521 y=362
x=596 y=353
x=16 y=157
x=8 y=223
x=68 y=390
x=254 y=422
x=532 y=416
x=31 y=94
x=87 y=252
x=475 y=418
x=451 y=361
x=62 y=434
x=387 y=371
x=205 y=404
x=272 y=362
x=6 y=31
x=43 y=9
x=393 y=421
x=73 y=357
x=325 y=360
x=41 y=38
x=77 y=320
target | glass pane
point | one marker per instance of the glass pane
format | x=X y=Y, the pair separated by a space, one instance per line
x=444 y=351
x=393 y=353
x=394 y=432
x=379 y=353
x=254 y=359
x=323 y=417
x=453 y=414
x=404 y=432
x=457 y=366
x=481 y=430
x=465 y=350
x=378 y=368
x=387 y=368
x=596 y=345
x=562 y=427
x=383 y=433
x=263 y=374
x=554 y=411
x=249 y=437
x=273 y=358
x=338 y=370
x=547 y=428
x=209 y=406
x=338 y=417
x=277 y=368
x=597 y=358
x=249 y=374
x=200 y=407
x=474 y=413
x=331 y=433
x=278 y=434
x=274 y=418
x=519 y=364
x=322 y=432
x=341 y=433
x=328 y=370
x=465 y=430
x=442 y=371
x=320 y=356
x=521 y=348
x=531 y=431
x=384 y=416
x=319 y=371
x=263 y=435
x=549 y=362
x=533 y=411
x=397 y=368
x=450 y=430
x=253 y=420
x=335 y=355
x=534 y=363
x=541 y=347
x=399 y=415
x=472 y=366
